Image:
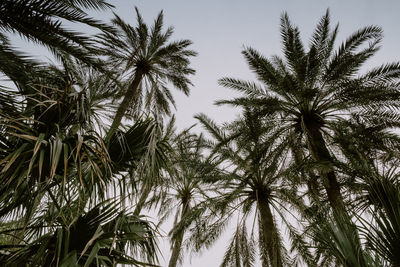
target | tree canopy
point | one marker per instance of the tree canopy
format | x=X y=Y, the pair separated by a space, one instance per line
x=306 y=175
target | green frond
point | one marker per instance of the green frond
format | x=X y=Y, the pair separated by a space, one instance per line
x=90 y=4
x=210 y=126
x=248 y=88
x=102 y=233
x=292 y=45
x=264 y=69
x=241 y=250
x=25 y=17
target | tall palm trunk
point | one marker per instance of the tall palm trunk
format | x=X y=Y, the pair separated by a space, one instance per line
x=130 y=95
x=176 y=249
x=320 y=153
x=269 y=235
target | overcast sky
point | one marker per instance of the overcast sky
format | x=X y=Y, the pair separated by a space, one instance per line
x=220 y=29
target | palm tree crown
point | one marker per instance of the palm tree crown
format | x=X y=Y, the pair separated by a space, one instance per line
x=308 y=91
x=150 y=62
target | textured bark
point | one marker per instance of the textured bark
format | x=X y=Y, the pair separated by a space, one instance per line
x=126 y=102
x=269 y=235
x=176 y=249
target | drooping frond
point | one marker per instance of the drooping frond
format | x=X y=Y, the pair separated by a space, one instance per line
x=26 y=17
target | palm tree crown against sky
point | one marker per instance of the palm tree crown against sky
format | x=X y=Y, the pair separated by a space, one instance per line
x=220 y=29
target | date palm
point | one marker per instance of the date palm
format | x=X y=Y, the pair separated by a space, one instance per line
x=188 y=174
x=150 y=62
x=255 y=180
x=308 y=91
x=182 y=188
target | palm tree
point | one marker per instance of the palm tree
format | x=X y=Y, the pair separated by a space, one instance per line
x=256 y=177
x=334 y=248
x=56 y=169
x=188 y=173
x=182 y=188
x=376 y=206
x=150 y=62
x=39 y=138
x=309 y=91
x=383 y=231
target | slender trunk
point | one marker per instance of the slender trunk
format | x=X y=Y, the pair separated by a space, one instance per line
x=269 y=240
x=176 y=249
x=126 y=102
x=320 y=154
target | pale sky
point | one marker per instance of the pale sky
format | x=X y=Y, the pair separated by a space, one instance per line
x=220 y=29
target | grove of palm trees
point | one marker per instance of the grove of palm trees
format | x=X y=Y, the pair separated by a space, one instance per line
x=95 y=170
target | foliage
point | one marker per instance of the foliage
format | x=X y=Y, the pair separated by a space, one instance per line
x=41 y=22
x=308 y=173
x=149 y=62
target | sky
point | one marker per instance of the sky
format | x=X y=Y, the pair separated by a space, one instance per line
x=220 y=29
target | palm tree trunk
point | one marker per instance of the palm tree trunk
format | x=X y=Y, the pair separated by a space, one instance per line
x=176 y=249
x=126 y=102
x=320 y=154
x=269 y=235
